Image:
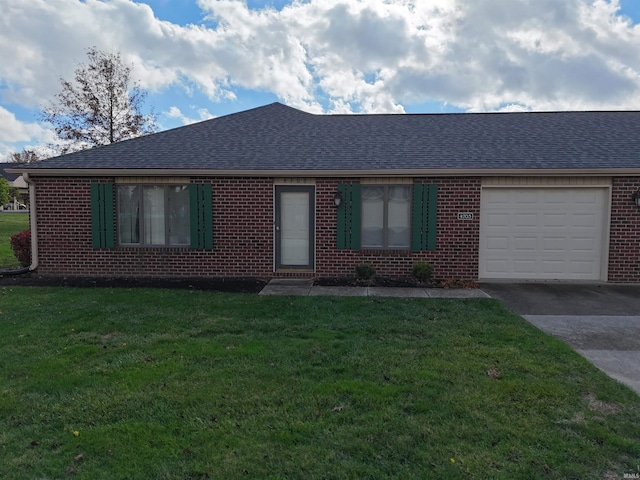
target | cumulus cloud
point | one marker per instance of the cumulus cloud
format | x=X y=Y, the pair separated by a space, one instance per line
x=14 y=132
x=203 y=114
x=341 y=55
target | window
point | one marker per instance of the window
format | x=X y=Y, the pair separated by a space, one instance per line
x=153 y=215
x=386 y=216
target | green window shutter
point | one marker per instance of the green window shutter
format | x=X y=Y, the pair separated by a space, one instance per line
x=348 y=217
x=425 y=212
x=201 y=212
x=102 y=231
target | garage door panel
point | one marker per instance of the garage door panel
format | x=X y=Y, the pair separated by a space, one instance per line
x=554 y=244
x=556 y=196
x=525 y=244
x=526 y=197
x=584 y=220
x=542 y=233
x=582 y=267
x=586 y=197
x=497 y=197
x=529 y=220
x=496 y=266
x=498 y=243
x=553 y=267
x=553 y=220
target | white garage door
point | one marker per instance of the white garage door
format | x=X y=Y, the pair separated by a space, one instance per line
x=542 y=233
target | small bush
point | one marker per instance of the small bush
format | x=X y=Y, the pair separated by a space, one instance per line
x=365 y=271
x=21 y=245
x=422 y=271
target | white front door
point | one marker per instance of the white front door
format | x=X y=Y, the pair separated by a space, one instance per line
x=294 y=227
x=543 y=233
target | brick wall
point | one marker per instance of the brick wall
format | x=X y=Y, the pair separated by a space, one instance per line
x=456 y=255
x=624 y=242
x=243 y=240
x=243 y=235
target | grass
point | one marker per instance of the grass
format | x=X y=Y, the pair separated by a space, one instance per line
x=10 y=224
x=175 y=384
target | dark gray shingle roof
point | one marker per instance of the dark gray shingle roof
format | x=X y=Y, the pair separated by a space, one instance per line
x=276 y=138
x=9 y=177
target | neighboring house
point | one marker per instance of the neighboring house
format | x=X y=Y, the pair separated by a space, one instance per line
x=526 y=196
x=14 y=180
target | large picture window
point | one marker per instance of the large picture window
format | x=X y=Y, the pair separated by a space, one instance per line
x=386 y=216
x=153 y=215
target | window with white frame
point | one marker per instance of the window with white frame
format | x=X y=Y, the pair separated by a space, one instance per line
x=386 y=216
x=153 y=214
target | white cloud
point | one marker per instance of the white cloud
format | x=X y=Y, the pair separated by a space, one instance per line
x=14 y=131
x=203 y=114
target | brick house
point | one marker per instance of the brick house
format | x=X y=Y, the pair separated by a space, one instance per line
x=276 y=192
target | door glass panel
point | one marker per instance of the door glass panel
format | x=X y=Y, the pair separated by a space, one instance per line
x=294 y=229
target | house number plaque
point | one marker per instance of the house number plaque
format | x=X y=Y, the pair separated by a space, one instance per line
x=465 y=216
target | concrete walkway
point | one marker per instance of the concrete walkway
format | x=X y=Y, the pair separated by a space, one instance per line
x=286 y=286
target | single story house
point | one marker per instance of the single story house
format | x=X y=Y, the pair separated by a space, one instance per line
x=14 y=180
x=277 y=192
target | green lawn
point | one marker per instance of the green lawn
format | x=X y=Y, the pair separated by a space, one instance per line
x=10 y=224
x=178 y=384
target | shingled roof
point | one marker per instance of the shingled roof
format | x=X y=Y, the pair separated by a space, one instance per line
x=9 y=176
x=277 y=138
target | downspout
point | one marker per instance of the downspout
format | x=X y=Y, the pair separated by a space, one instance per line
x=33 y=225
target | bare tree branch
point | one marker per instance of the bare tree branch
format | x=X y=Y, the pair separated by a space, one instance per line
x=99 y=106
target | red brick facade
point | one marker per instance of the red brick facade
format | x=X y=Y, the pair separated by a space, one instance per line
x=624 y=238
x=243 y=234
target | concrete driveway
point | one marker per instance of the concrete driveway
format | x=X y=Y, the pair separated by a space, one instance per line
x=601 y=322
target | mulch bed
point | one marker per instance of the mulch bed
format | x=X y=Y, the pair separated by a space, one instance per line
x=219 y=284
x=239 y=285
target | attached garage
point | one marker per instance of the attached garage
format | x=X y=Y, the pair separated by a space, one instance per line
x=544 y=232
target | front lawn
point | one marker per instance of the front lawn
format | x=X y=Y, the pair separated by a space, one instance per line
x=178 y=384
x=10 y=224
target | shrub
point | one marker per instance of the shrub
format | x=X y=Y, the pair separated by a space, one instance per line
x=422 y=271
x=365 y=271
x=21 y=245
x=4 y=191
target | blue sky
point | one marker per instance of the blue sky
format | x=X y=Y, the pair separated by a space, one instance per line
x=199 y=59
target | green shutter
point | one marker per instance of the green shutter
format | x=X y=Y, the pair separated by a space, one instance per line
x=102 y=231
x=348 y=217
x=201 y=211
x=425 y=212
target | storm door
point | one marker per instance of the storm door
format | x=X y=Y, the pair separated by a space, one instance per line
x=295 y=220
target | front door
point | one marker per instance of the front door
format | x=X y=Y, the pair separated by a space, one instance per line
x=295 y=222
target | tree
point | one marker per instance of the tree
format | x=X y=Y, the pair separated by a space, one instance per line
x=100 y=106
x=25 y=156
x=4 y=191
